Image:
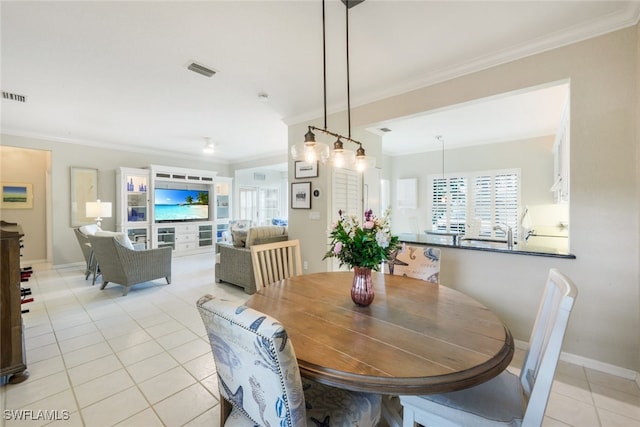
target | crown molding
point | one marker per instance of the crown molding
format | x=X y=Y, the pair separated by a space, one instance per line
x=613 y=22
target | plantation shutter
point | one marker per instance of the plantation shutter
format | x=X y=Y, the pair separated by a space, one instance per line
x=347 y=193
x=496 y=197
x=449 y=203
x=347 y=196
x=493 y=200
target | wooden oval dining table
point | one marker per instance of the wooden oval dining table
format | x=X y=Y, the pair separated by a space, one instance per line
x=415 y=338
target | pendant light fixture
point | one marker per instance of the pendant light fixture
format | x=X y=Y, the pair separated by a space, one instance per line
x=310 y=149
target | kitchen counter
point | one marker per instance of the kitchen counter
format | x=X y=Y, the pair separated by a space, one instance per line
x=487 y=245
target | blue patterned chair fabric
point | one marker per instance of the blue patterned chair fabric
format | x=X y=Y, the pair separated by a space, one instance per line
x=258 y=375
x=419 y=262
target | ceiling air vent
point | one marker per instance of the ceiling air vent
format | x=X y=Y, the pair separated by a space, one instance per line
x=13 y=97
x=201 y=69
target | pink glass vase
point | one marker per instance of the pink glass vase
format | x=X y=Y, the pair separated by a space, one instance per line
x=362 y=287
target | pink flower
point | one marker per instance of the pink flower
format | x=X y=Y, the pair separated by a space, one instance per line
x=337 y=248
x=368 y=225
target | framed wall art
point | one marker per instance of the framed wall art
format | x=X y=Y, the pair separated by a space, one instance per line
x=300 y=195
x=306 y=170
x=84 y=188
x=16 y=195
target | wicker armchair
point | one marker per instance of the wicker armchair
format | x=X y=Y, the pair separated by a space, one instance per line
x=128 y=267
x=85 y=246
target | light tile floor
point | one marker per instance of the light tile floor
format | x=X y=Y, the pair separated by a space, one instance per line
x=144 y=359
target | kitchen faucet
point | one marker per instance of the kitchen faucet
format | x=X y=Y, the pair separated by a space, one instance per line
x=508 y=231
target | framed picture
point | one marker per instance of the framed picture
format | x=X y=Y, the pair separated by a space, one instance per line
x=84 y=188
x=16 y=195
x=300 y=195
x=306 y=170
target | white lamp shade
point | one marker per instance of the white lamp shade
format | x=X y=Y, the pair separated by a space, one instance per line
x=98 y=209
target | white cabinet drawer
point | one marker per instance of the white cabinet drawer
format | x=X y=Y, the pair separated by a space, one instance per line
x=182 y=238
x=186 y=246
x=186 y=228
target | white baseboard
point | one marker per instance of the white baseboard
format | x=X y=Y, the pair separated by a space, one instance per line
x=591 y=364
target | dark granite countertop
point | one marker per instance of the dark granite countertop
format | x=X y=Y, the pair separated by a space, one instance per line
x=487 y=246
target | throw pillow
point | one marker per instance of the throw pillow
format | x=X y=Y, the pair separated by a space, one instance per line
x=239 y=238
x=120 y=237
x=90 y=229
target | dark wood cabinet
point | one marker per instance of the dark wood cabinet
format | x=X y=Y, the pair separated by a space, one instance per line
x=13 y=364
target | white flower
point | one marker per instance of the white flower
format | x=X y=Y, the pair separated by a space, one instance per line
x=382 y=238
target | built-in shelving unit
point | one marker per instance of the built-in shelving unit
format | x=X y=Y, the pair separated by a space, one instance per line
x=223 y=206
x=133 y=211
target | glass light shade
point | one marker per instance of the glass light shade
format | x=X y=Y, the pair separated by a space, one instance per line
x=342 y=158
x=310 y=151
x=365 y=162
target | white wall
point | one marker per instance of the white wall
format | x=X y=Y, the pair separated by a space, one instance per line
x=604 y=212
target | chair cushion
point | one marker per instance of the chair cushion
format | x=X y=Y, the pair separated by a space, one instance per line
x=341 y=408
x=496 y=402
x=90 y=229
x=120 y=237
x=328 y=406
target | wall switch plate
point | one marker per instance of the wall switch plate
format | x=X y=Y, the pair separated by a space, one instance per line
x=314 y=215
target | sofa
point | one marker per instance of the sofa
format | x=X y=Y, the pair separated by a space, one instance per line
x=233 y=260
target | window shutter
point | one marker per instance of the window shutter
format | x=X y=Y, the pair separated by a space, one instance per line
x=347 y=193
x=494 y=199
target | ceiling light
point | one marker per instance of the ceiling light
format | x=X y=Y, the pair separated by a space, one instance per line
x=209 y=146
x=310 y=149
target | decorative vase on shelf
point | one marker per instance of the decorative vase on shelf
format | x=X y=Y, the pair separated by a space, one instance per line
x=362 y=287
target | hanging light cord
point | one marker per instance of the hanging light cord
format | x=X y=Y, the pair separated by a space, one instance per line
x=360 y=150
x=324 y=65
x=348 y=79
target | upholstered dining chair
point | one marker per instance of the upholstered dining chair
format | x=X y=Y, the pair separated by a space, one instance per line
x=419 y=262
x=259 y=379
x=276 y=261
x=120 y=263
x=508 y=399
x=85 y=246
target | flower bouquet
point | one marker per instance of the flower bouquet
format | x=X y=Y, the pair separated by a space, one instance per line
x=362 y=247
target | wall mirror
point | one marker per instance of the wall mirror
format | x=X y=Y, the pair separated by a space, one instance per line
x=526 y=130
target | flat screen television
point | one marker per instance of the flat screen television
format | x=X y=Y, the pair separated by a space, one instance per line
x=174 y=205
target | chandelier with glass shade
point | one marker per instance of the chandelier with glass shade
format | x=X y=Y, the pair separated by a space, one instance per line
x=311 y=150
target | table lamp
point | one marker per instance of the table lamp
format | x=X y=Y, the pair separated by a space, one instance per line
x=98 y=210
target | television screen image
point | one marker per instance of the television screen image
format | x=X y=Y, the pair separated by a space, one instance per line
x=181 y=205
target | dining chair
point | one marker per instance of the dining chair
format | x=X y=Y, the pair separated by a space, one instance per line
x=259 y=379
x=419 y=262
x=508 y=399
x=275 y=261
